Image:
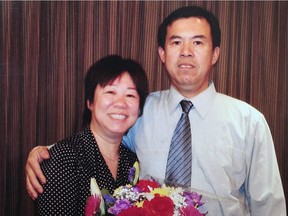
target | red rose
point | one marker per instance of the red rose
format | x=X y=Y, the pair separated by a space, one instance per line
x=132 y=211
x=159 y=206
x=143 y=185
x=189 y=211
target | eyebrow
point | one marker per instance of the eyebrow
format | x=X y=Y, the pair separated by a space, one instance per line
x=132 y=88
x=194 y=37
x=129 y=88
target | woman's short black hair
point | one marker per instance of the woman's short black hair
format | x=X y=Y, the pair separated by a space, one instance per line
x=187 y=12
x=105 y=71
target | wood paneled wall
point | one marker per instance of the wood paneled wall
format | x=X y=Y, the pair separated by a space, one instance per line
x=46 y=48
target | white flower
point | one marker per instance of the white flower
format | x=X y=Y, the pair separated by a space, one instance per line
x=95 y=191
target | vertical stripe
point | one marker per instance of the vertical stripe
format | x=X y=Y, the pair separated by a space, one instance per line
x=46 y=48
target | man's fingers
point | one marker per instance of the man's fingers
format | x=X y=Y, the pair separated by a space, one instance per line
x=32 y=182
x=34 y=173
x=42 y=153
x=32 y=193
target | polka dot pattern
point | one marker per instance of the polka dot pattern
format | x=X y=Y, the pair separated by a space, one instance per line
x=73 y=162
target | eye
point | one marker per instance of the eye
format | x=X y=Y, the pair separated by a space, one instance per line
x=176 y=42
x=110 y=92
x=197 y=42
x=131 y=95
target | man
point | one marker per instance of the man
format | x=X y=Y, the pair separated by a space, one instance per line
x=233 y=156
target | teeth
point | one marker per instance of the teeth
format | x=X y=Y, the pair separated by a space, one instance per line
x=185 y=66
x=118 y=116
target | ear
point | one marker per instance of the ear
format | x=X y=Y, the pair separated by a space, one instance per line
x=216 y=53
x=161 y=53
x=89 y=105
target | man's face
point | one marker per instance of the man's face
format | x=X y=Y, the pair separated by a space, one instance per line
x=188 y=55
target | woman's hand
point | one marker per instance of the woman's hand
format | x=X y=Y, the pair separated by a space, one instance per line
x=34 y=174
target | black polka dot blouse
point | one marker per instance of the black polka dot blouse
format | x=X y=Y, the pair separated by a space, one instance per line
x=72 y=164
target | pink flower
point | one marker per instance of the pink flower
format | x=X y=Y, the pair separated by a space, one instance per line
x=92 y=206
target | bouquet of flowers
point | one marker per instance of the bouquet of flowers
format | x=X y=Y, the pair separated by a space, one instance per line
x=149 y=197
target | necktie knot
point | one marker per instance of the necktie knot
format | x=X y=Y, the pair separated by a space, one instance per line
x=186 y=105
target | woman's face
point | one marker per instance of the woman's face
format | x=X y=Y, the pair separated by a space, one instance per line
x=115 y=107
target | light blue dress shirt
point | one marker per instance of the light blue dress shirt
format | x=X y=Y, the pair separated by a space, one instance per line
x=234 y=163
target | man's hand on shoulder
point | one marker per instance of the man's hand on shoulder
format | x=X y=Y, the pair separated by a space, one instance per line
x=34 y=174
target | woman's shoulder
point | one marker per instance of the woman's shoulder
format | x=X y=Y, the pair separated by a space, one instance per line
x=69 y=146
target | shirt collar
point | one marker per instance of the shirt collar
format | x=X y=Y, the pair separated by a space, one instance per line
x=174 y=99
x=202 y=102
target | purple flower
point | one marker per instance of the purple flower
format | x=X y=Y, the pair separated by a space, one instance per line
x=132 y=172
x=110 y=200
x=193 y=199
x=119 y=206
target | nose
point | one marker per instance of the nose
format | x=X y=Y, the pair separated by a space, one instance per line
x=120 y=102
x=186 y=50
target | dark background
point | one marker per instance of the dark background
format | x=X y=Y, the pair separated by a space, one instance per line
x=47 y=47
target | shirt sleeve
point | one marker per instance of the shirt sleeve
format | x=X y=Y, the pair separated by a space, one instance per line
x=264 y=187
x=128 y=139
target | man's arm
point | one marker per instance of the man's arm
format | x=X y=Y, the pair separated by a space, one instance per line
x=264 y=186
x=34 y=174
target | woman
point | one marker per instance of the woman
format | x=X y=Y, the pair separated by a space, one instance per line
x=115 y=92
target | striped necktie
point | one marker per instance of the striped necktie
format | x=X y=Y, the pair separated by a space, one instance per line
x=179 y=160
